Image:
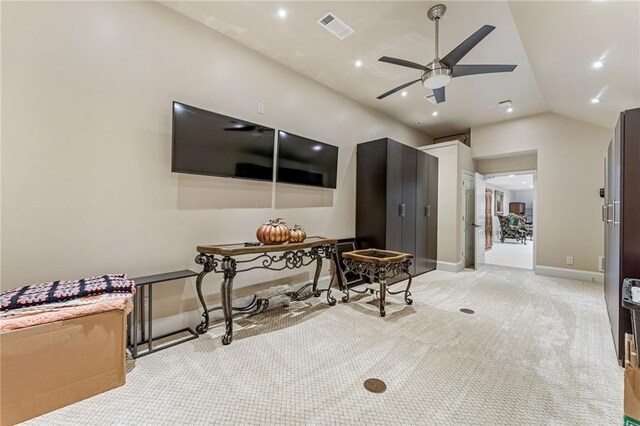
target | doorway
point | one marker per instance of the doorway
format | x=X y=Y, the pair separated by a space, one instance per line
x=512 y=199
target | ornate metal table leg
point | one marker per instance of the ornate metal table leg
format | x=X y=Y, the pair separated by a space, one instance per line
x=407 y=293
x=316 y=277
x=382 y=278
x=226 y=289
x=346 y=296
x=330 y=254
x=207 y=266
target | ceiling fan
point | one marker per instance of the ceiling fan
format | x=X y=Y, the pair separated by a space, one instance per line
x=437 y=73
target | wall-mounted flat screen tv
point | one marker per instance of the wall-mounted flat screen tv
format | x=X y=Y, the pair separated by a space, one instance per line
x=304 y=161
x=206 y=143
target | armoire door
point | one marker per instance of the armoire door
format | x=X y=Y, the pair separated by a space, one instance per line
x=409 y=169
x=626 y=207
x=395 y=207
x=432 y=213
x=422 y=213
x=612 y=255
x=371 y=194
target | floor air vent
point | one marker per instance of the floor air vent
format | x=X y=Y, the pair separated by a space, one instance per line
x=335 y=25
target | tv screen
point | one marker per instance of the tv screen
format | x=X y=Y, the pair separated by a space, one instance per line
x=206 y=143
x=304 y=161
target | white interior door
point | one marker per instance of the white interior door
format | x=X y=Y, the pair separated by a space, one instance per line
x=469 y=230
x=479 y=221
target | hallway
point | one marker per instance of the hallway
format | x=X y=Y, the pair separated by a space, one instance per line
x=511 y=253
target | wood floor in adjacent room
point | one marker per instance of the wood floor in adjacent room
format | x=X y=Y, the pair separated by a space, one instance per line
x=537 y=351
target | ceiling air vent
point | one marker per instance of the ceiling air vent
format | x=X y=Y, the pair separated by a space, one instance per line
x=335 y=25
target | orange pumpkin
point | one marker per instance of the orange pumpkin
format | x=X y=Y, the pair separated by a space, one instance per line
x=273 y=232
x=297 y=234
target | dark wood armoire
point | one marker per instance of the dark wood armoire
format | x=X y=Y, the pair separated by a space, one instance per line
x=620 y=213
x=397 y=201
x=517 y=208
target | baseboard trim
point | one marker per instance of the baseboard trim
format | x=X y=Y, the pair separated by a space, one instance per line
x=571 y=274
x=449 y=266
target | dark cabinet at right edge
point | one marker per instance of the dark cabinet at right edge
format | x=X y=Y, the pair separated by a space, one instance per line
x=620 y=213
x=397 y=201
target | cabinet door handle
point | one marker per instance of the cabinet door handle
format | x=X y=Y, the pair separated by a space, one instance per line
x=616 y=222
x=427 y=211
x=604 y=212
x=401 y=210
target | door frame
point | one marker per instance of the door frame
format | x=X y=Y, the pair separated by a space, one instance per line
x=533 y=172
x=463 y=242
x=488 y=220
x=480 y=182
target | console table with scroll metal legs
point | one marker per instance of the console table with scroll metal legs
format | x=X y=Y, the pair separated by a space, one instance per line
x=380 y=265
x=231 y=259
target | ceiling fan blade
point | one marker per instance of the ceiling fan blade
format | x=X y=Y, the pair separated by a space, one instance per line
x=439 y=94
x=402 y=63
x=392 y=91
x=465 y=47
x=462 y=70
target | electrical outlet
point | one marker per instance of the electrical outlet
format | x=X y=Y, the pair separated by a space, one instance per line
x=260 y=108
x=569 y=260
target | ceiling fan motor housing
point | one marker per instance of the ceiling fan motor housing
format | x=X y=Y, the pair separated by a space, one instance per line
x=437 y=75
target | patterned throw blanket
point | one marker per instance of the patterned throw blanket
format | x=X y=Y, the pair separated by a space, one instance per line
x=59 y=291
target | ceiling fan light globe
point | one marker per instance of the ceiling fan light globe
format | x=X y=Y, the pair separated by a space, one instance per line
x=436 y=81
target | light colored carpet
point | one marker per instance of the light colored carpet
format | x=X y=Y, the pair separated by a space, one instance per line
x=537 y=351
x=510 y=253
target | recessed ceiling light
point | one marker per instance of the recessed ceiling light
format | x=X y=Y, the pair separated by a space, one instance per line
x=404 y=93
x=524 y=182
x=434 y=113
x=595 y=100
x=358 y=63
x=512 y=175
x=282 y=13
x=530 y=186
x=509 y=109
x=598 y=65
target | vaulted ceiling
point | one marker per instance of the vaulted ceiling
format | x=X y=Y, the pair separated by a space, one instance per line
x=554 y=45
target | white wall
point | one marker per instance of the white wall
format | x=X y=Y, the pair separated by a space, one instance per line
x=507 y=163
x=453 y=159
x=570 y=157
x=86 y=113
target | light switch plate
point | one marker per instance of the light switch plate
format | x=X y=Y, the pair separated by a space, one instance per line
x=569 y=260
